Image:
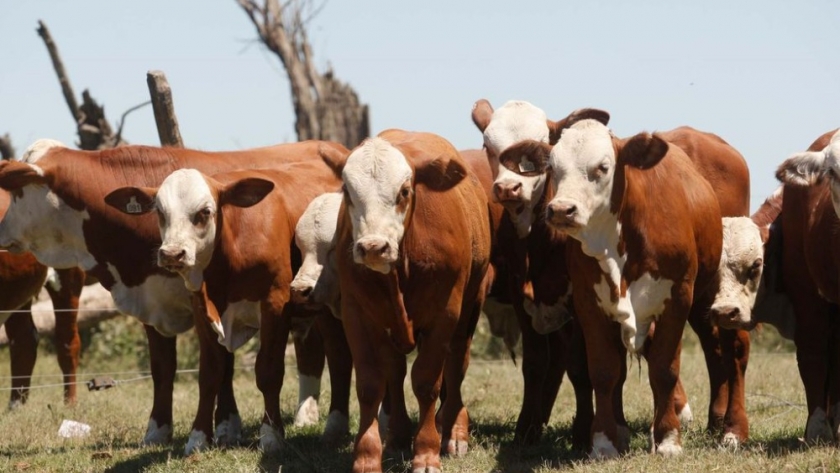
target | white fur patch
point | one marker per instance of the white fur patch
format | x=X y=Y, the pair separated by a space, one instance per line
x=157 y=435
x=53 y=280
x=602 y=447
x=38 y=149
x=315 y=238
x=802 y=169
x=162 y=302
x=241 y=321
x=229 y=431
x=818 y=429
x=270 y=439
x=513 y=122
x=373 y=176
x=309 y=391
x=730 y=441
x=670 y=445
x=220 y=331
x=457 y=448
x=196 y=442
x=685 y=416
x=742 y=248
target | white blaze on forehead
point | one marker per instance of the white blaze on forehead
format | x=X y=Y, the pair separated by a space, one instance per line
x=742 y=247
x=373 y=176
x=38 y=149
x=181 y=195
x=513 y=122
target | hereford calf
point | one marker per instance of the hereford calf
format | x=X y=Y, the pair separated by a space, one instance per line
x=614 y=197
x=413 y=245
x=811 y=273
x=230 y=237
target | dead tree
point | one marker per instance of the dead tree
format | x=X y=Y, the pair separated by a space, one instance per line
x=325 y=108
x=93 y=128
x=165 y=119
x=7 y=151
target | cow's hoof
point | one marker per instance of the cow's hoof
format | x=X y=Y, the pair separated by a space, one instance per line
x=685 y=416
x=307 y=413
x=670 y=446
x=730 y=441
x=269 y=439
x=338 y=427
x=457 y=448
x=427 y=469
x=157 y=435
x=16 y=404
x=602 y=447
x=229 y=431
x=196 y=443
x=818 y=429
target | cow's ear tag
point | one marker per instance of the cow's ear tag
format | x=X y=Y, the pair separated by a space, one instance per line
x=526 y=166
x=133 y=207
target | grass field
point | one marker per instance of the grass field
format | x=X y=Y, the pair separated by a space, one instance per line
x=29 y=440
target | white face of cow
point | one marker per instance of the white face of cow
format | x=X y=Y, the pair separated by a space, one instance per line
x=186 y=212
x=583 y=166
x=316 y=282
x=40 y=222
x=513 y=122
x=739 y=274
x=377 y=181
x=809 y=166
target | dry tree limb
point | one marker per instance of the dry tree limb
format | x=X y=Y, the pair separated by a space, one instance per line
x=167 y=122
x=325 y=108
x=58 y=65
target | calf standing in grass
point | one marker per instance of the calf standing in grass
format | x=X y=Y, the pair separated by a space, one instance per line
x=230 y=237
x=646 y=237
x=413 y=246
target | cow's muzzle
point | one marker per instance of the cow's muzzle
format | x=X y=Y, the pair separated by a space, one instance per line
x=562 y=215
x=172 y=259
x=375 y=252
x=730 y=317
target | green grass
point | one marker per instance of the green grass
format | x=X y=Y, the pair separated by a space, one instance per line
x=29 y=440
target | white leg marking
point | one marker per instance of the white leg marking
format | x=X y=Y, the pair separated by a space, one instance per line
x=817 y=429
x=309 y=391
x=196 y=443
x=229 y=431
x=458 y=448
x=602 y=447
x=685 y=415
x=670 y=446
x=338 y=426
x=731 y=441
x=156 y=435
x=269 y=438
x=15 y=404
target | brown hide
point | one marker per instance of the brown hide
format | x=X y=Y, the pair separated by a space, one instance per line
x=443 y=258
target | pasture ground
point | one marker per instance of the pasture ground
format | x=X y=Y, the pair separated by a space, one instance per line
x=29 y=440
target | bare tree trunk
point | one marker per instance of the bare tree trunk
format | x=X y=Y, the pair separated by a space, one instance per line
x=167 y=122
x=7 y=151
x=325 y=108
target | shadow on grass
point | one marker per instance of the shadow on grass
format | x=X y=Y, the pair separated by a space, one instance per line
x=554 y=450
x=140 y=462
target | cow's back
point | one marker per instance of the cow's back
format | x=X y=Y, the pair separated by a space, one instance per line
x=721 y=164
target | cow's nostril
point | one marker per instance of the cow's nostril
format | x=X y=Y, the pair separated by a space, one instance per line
x=385 y=248
x=516 y=188
x=361 y=249
x=571 y=210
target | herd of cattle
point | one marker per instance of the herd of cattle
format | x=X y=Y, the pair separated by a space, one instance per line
x=602 y=246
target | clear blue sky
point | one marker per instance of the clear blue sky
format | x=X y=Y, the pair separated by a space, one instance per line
x=762 y=74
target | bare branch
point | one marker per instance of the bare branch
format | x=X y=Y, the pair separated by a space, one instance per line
x=7 y=151
x=167 y=122
x=58 y=65
x=124 y=115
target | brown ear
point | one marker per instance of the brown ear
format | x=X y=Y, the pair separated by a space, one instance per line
x=245 y=192
x=15 y=174
x=527 y=158
x=555 y=129
x=335 y=155
x=132 y=200
x=438 y=173
x=643 y=151
x=482 y=112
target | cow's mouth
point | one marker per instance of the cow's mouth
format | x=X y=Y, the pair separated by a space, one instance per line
x=514 y=206
x=174 y=267
x=13 y=247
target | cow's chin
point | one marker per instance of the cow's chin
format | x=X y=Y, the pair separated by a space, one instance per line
x=14 y=247
x=567 y=226
x=383 y=267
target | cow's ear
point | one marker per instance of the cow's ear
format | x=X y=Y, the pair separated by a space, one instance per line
x=527 y=158
x=334 y=155
x=643 y=151
x=482 y=112
x=14 y=175
x=245 y=192
x=132 y=200
x=802 y=169
x=439 y=172
x=555 y=129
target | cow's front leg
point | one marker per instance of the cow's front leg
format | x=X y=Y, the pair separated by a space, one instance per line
x=340 y=364
x=275 y=324
x=426 y=379
x=664 y=370
x=576 y=368
x=164 y=362
x=394 y=414
x=735 y=345
x=23 y=350
x=309 y=355
x=228 y=420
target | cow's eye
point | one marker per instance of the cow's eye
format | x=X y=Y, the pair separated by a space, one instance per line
x=202 y=217
x=755 y=269
x=405 y=192
x=603 y=168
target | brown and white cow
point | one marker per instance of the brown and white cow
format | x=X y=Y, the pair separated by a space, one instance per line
x=21 y=279
x=811 y=273
x=230 y=237
x=635 y=257
x=413 y=246
x=59 y=214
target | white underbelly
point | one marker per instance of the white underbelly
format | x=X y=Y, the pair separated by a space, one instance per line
x=643 y=303
x=241 y=321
